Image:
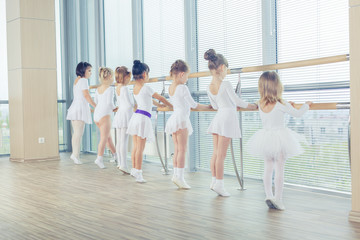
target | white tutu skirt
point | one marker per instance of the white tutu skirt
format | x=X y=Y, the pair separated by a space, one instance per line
x=177 y=122
x=225 y=123
x=80 y=113
x=272 y=143
x=141 y=125
x=122 y=118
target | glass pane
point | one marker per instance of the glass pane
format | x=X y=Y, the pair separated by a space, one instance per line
x=4 y=129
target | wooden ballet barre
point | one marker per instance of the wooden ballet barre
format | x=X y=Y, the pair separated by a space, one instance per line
x=295 y=64
x=314 y=106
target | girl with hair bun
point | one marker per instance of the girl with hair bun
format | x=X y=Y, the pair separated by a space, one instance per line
x=179 y=124
x=140 y=126
x=104 y=98
x=225 y=124
x=79 y=112
x=122 y=117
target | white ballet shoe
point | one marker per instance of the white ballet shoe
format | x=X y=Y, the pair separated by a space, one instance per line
x=139 y=176
x=278 y=204
x=100 y=163
x=132 y=172
x=124 y=170
x=219 y=189
x=75 y=159
x=269 y=203
x=181 y=183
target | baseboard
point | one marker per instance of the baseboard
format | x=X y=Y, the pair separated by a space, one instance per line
x=54 y=158
x=354 y=216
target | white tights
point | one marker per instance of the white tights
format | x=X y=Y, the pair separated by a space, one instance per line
x=279 y=163
x=122 y=140
x=78 y=131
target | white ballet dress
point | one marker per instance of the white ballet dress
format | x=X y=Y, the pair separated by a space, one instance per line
x=182 y=103
x=274 y=138
x=226 y=121
x=140 y=124
x=104 y=103
x=79 y=108
x=125 y=103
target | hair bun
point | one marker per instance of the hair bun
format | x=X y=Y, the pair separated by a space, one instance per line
x=137 y=62
x=210 y=55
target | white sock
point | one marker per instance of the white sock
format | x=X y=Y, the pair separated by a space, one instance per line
x=180 y=173
x=175 y=171
x=220 y=182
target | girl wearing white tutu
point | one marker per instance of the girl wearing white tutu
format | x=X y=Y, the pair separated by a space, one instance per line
x=140 y=126
x=179 y=124
x=104 y=98
x=79 y=111
x=125 y=103
x=275 y=142
x=225 y=124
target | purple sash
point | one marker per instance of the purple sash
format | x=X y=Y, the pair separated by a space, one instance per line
x=143 y=113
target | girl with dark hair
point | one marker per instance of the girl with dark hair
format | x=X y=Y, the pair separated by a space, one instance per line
x=179 y=124
x=79 y=111
x=140 y=126
x=225 y=124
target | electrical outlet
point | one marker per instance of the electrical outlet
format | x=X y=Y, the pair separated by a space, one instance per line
x=41 y=140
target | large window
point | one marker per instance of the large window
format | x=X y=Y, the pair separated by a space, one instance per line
x=4 y=97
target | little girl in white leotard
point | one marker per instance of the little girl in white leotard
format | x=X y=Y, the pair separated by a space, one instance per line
x=104 y=98
x=225 y=124
x=275 y=142
x=125 y=103
x=140 y=126
x=179 y=124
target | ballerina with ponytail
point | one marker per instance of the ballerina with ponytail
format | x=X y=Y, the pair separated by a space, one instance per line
x=140 y=125
x=225 y=124
x=179 y=124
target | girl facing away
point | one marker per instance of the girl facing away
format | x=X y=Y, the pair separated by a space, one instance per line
x=104 y=98
x=125 y=103
x=275 y=142
x=225 y=124
x=140 y=126
x=79 y=112
x=179 y=124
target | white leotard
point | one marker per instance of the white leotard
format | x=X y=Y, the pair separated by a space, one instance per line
x=79 y=109
x=182 y=103
x=125 y=103
x=104 y=104
x=225 y=122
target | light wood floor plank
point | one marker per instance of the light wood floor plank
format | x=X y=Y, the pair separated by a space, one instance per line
x=60 y=200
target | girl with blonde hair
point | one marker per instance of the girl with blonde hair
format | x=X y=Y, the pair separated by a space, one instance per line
x=104 y=98
x=275 y=142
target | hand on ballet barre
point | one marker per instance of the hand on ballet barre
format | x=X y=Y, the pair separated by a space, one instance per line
x=115 y=109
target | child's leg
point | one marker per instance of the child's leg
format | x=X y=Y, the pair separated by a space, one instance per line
x=78 y=128
x=175 y=156
x=110 y=144
x=118 y=141
x=124 y=138
x=268 y=172
x=223 y=144
x=139 y=152
x=133 y=151
x=181 y=137
x=279 y=177
x=213 y=157
x=104 y=126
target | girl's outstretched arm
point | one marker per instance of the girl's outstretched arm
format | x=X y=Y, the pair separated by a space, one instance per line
x=162 y=99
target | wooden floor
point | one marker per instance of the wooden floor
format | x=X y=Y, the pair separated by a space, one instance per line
x=59 y=200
